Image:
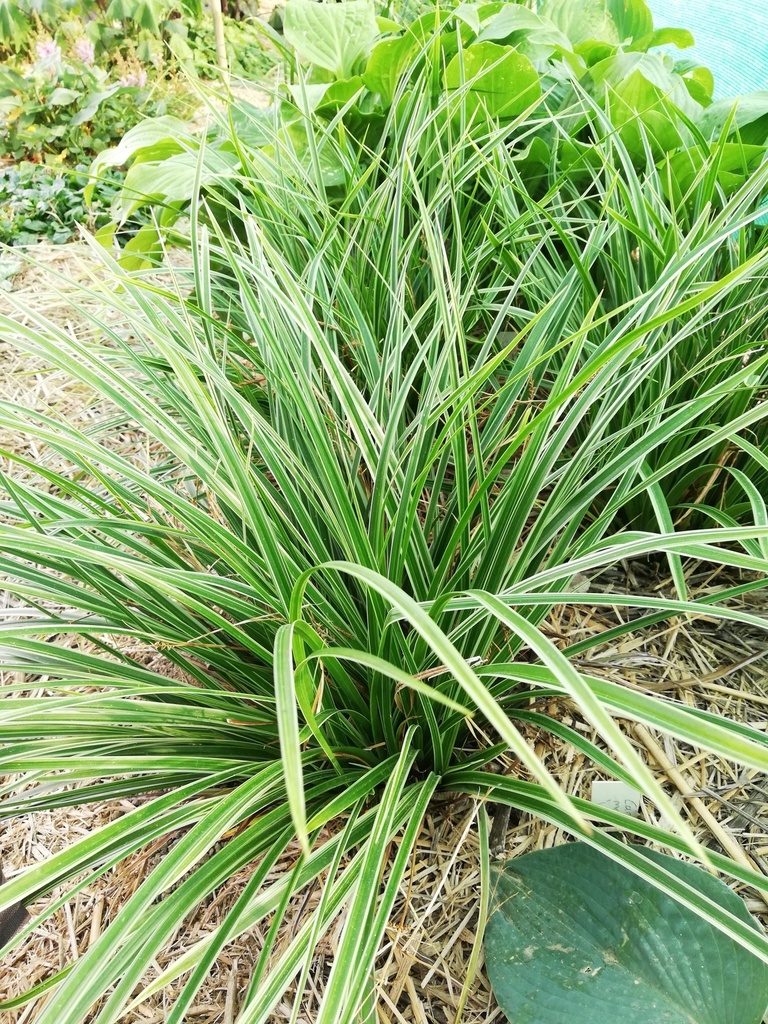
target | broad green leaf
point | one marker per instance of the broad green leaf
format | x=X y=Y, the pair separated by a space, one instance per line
x=679 y=37
x=105 y=235
x=533 y=36
x=470 y=15
x=153 y=139
x=501 y=82
x=632 y=18
x=338 y=94
x=140 y=252
x=644 y=95
x=581 y=20
x=748 y=114
x=643 y=80
x=735 y=162
x=387 y=26
x=386 y=64
x=700 y=83
x=424 y=28
x=61 y=97
x=336 y=37
x=92 y=104
x=171 y=180
x=328 y=166
x=602 y=21
x=574 y=936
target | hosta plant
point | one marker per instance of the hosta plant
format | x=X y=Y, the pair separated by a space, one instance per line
x=572 y=937
x=564 y=75
x=393 y=427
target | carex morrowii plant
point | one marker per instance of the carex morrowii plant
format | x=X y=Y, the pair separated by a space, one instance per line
x=392 y=429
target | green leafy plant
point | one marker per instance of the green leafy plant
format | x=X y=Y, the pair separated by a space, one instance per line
x=66 y=110
x=39 y=202
x=116 y=29
x=573 y=936
x=104 y=22
x=501 y=61
x=17 y=22
x=247 y=55
x=401 y=421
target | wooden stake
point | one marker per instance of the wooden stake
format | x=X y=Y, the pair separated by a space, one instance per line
x=221 y=44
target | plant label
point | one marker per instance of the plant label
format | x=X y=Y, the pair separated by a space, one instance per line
x=617 y=796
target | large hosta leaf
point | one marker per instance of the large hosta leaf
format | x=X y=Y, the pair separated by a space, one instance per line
x=575 y=938
x=610 y=21
x=735 y=163
x=386 y=65
x=581 y=19
x=172 y=180
x=335 y=37
x=747 y=114
x=502 y=82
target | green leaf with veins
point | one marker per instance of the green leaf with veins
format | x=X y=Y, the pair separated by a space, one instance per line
x=337 y=37
x=499 y=81
x=574 y=937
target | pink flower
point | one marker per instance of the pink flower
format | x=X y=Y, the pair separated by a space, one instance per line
x=48 y=49
x=134 y=78
x=49 y=57
x=84 y=51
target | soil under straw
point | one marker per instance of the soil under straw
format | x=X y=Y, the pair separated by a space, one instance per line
x=429 y=942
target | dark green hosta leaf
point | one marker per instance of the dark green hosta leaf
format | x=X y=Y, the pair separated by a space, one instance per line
x=750 y=116
x=575 y=938
x=504 y=83
x=533 y=163
x=336 y=37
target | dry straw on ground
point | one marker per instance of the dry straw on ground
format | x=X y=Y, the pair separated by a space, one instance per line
x=429 y=943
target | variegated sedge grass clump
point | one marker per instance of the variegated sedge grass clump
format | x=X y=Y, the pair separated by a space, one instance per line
x=400 y=424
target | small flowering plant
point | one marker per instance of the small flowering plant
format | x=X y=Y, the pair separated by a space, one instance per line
x=67 y=109
x=85 y=51
x=49 y=57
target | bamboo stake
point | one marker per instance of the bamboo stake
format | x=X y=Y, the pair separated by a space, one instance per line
x=221 y=45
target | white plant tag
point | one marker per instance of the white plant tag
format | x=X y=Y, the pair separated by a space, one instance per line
x=617 y=796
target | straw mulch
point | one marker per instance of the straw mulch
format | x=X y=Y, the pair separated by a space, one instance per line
x=424 y=967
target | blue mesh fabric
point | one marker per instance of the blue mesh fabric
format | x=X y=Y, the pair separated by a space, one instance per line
x=731 y=39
